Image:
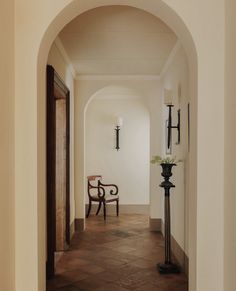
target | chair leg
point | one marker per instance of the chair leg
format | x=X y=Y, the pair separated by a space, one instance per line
x=89 y=208
x=99 y=207
x=104 y=210
x=117 y=207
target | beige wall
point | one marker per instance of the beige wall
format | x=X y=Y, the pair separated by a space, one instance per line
x=156 y=141
x=206 y=26
x=175 y=78
x=230 y=146
x=7 y=146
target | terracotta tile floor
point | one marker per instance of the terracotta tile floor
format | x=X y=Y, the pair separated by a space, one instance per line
x=120 y=254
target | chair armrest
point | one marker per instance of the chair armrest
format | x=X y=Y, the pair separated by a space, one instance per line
x=112 y=191
x=101 y=194
x=101 y=191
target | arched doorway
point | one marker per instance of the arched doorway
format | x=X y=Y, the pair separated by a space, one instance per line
x=80 y=177
x=35 y=236
x=132 y=159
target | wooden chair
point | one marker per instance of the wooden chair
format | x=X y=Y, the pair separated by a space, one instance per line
x=101 y=193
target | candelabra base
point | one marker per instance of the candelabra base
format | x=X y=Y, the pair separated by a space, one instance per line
x=164 y=268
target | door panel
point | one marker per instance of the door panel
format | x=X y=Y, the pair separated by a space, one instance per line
x=61 y=175
x=58 y=176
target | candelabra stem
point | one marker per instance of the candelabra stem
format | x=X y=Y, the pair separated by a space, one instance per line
x=167 y=267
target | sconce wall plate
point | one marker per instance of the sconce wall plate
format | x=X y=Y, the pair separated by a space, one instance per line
x=170 y=126
x=117 y=130
x=119 y=123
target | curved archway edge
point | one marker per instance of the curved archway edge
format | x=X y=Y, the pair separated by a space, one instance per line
x=31 y=125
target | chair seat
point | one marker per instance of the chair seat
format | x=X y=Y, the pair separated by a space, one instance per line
x=108 y=197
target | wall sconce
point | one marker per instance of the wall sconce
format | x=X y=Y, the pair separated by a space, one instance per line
x=168 y=96
x=119 y=123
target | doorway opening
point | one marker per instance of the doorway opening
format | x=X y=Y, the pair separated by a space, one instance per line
x=127 y=167
x=79 y=183
x=149 y=63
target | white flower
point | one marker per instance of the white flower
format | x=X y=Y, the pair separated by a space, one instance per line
x=165 y=160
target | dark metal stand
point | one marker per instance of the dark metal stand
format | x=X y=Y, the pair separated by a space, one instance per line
x=167 y=267
x=117 y=129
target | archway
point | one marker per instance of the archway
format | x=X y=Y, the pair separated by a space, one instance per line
x=189 y=47
x=132 y=160
x=164 y=12
x=189 y=50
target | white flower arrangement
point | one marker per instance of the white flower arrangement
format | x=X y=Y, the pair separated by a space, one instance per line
x=165 y=160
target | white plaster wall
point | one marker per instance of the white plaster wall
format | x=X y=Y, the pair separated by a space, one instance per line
x=57 y=60
x=156 y=141
x=175 y=78
x=7 y=215
x=230 y=145
x=128 y=168
x=199 y=23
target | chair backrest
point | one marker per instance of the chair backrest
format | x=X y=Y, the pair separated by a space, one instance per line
x=100 y=187
x=93 y=183
x=94 y=177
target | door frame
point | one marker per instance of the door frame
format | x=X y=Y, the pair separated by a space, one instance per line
x=54 y=81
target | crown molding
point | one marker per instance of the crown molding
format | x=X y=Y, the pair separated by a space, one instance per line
x=170 y=59
x=117 y=77
x=64 y=54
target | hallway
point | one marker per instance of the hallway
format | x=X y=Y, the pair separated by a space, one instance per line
x=120 y=254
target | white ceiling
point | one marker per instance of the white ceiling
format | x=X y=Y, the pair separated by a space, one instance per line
x=117 y=40
x=117 y=92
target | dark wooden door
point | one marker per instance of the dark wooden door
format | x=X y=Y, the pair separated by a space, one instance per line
x=58 y=166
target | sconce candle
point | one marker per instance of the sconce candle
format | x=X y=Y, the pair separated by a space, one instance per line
x=168 y=96
x=119 y=121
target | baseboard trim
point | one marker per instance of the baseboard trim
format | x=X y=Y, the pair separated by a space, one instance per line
x=155 y=224
x=178 y=253
x=123 y=208
x=79 y=224
x=72 y=229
